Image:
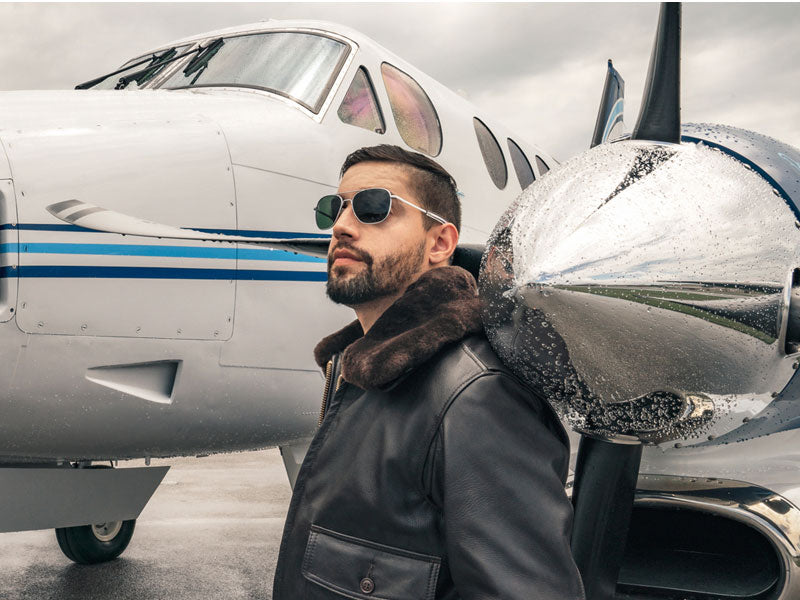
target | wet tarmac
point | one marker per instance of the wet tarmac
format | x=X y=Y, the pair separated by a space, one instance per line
x=211 y=530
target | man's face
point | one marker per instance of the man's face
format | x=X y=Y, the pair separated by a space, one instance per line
x=369 y=262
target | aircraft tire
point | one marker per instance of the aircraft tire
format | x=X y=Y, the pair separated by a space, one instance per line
x=92 y=544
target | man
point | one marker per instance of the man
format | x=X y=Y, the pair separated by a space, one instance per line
x=435 y=473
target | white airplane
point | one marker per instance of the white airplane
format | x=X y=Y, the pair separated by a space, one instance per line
x=141 y=318
x=124 y=346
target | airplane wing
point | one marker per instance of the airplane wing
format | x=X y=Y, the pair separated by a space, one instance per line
x=94 y=217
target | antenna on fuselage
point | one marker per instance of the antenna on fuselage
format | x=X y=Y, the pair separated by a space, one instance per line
x=660 y=114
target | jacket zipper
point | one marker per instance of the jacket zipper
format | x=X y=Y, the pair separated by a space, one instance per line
x=329 y=372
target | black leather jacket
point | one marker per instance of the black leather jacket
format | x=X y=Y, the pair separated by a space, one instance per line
x=433 y=479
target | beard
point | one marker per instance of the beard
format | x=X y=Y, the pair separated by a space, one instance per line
x=377 y=279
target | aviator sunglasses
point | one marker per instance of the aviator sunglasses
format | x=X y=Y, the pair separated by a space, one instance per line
x=370 y=206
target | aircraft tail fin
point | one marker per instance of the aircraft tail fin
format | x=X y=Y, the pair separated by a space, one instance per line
x=609 y=123
x=660 y=115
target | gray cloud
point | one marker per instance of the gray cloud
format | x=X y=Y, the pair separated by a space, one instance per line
x=539 y=67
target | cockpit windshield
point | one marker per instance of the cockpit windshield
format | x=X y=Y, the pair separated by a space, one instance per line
x=140 y=64
x=300 y=66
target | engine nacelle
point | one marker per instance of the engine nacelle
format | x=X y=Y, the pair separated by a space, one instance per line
x=647 y=288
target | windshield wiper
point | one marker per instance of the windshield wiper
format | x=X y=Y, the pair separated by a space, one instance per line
x=199 y=63
x=202 y=58
x=150 y=59
x=155 y=66
x=124 y=81
x=156 y=62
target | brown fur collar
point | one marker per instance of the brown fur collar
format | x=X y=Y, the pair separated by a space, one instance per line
x=439 y=308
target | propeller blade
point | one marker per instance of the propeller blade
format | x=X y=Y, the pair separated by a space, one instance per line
x=97 y=218
x=612 y=108
x=660 y=116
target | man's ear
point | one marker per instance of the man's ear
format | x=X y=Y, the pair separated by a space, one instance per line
x=442 y=240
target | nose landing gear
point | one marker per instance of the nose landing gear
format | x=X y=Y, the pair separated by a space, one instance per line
x=97 y=543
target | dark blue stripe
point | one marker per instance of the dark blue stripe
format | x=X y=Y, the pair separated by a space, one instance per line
x=46 y=227
x=160 y=273
x=259 y=275
x=242 y=232
x=743 y=159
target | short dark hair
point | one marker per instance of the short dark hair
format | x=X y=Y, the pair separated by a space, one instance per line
x=434 y=186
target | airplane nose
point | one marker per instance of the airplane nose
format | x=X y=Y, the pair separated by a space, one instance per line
x=645 y=287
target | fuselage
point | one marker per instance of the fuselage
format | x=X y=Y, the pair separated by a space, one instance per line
x=117 y=347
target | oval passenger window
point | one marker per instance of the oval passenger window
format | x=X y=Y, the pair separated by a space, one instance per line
x=543 y=168
x=521 y=164
x=413 y=111
x=492 y=154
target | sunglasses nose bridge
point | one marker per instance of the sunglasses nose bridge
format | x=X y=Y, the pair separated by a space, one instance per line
x=346 y=218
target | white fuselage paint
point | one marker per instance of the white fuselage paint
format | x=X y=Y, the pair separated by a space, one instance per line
x=88 y=320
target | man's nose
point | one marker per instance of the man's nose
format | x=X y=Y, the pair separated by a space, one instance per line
x=346 y=224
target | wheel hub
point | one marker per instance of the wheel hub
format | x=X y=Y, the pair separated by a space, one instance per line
x=105 y=532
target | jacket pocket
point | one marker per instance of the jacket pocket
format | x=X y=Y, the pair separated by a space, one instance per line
x=356 y=568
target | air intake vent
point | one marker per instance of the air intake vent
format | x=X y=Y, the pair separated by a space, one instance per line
x=153 y=381
x=675 y=554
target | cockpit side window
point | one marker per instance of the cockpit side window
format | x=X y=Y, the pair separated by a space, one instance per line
x=360 y=105
x=413 y=111
x=521 y=165
x=492 y=154
x=297 y=65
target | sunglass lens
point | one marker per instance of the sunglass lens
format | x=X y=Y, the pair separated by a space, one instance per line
x=372 y=206
x=327 y=210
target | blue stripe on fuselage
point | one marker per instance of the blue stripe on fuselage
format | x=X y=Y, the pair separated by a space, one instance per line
x=229 y=252
x=218 y=251
x=88 y=272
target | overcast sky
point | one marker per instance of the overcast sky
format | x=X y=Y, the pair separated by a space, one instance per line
x=538 y=68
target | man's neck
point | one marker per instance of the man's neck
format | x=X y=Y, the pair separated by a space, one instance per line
x=370 y=312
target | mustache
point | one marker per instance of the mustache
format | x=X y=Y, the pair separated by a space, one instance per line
x=366 y=257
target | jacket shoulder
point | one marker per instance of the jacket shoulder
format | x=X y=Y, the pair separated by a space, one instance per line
x=479 y=360
x=462 y=363
x=480 y=349
x=455 y=367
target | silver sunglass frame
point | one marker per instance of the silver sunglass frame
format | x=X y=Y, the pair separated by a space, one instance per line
x=392 y=196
